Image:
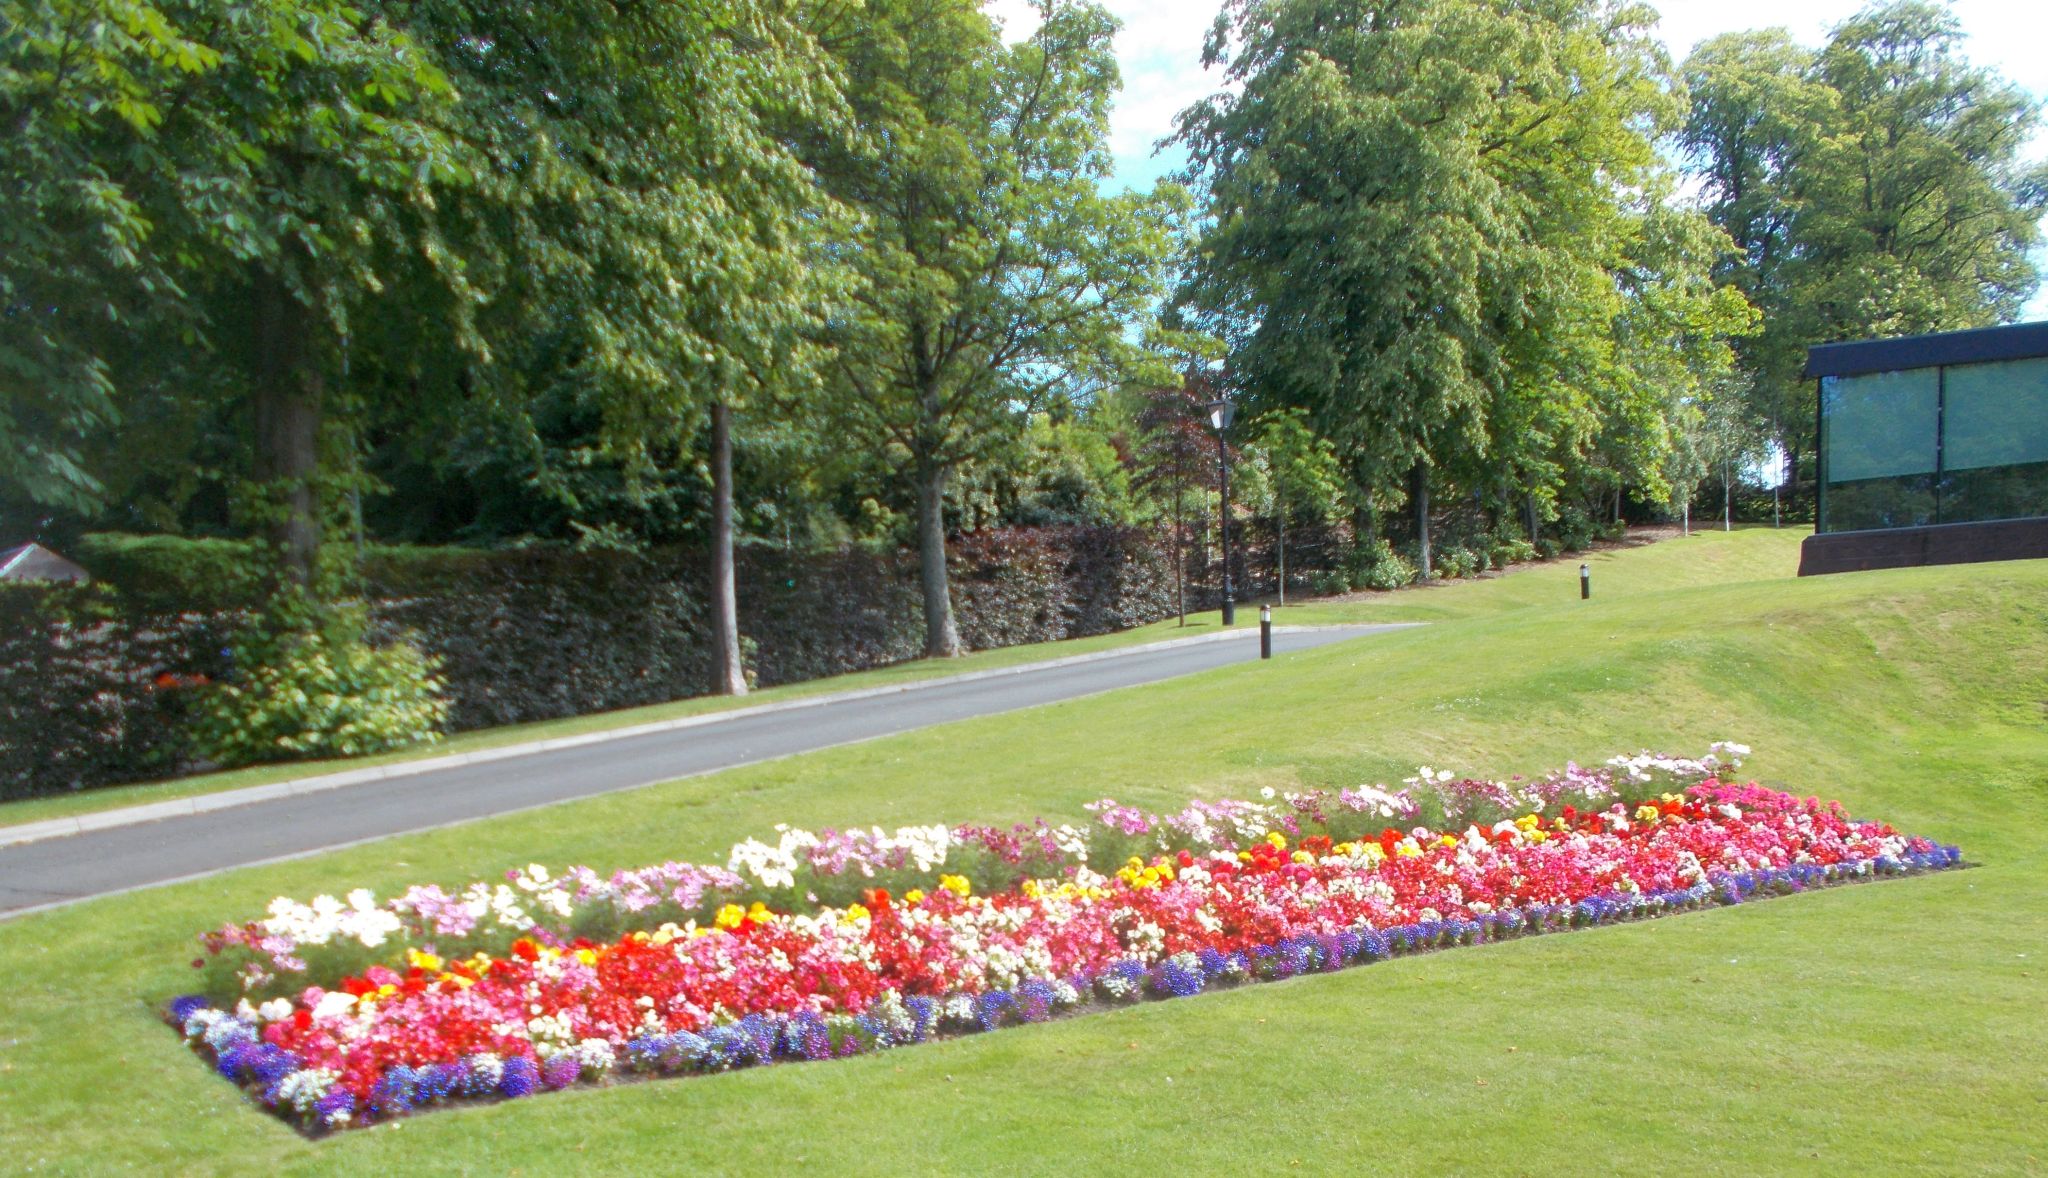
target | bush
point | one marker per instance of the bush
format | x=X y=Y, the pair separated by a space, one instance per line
x=1378 y=566
x=172 y=573
x=311 y=685
x=1575 y=529
x=1454 y=562
x=1507 y=550
x=1329 y=583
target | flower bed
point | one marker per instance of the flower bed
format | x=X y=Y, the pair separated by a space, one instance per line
x=501 y=991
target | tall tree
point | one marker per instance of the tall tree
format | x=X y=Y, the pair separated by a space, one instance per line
x=657 y=252
x=1876 y=187
x=1427 y=259
x=995 y=272
x=235 y=175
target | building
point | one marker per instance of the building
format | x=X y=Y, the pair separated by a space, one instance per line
x=1933 y=450
x=33 y=562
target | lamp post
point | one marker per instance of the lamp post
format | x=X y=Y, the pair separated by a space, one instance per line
x=1221 y=414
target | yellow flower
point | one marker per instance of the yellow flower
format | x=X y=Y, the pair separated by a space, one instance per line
x=956 y=884
x=587 y=956
x=730 y=917
x=913 y=896
x=1304 y=857
x=1449 y=840
x=1278 y=840
x=854 y=913
x=422 y=961
x=1647 y=813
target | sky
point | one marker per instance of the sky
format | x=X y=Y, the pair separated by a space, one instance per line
x=1160 y=50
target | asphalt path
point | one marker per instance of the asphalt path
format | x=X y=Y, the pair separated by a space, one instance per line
x=65 y=870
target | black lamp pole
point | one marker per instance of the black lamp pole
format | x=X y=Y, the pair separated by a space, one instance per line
x=1221 y=413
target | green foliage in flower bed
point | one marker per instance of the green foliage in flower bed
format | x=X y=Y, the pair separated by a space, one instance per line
x=1893 y=1029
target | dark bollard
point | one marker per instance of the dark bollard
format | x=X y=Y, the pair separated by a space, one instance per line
x=1265 y=631
x=1585 y=582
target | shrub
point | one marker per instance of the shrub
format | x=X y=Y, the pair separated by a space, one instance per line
x=1454 y=562
x=1507 y=550
x=1330 y=582
x=174 y=573
x=309 y=684
x=1378 y=566
x=1575 y=529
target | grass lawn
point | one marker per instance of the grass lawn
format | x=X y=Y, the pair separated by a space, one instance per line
x=1708 y=555
x=1896 y=1026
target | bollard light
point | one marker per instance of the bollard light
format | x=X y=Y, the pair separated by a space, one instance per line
x=1265 y=631
x=1585 y=582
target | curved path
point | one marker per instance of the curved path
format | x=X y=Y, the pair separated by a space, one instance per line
x=58 y=871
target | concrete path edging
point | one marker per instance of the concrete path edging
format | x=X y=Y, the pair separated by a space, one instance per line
x=52 y=828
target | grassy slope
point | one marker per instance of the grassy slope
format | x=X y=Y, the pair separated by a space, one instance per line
x=1894 y=1025
x=1710 y=556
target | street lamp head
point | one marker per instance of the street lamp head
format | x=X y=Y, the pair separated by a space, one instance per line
x=1221 y=413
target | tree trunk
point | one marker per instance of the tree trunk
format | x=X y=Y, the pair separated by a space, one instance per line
x=1418 y=497
x=941 y=639
x=1727 y=499
x=1180 y=560
x=728 y=675
x=285 y=403
x=1535 y=521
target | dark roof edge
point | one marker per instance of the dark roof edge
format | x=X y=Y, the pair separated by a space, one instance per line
x=2014 y=341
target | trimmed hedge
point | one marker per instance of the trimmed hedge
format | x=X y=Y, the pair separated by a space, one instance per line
x=92 y=679
x=89 y=696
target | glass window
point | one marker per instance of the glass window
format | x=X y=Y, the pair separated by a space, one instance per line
x=1881 y=424
x=1995 y=441
x=1880 y=439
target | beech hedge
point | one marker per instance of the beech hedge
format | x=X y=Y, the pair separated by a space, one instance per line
x=96 y=682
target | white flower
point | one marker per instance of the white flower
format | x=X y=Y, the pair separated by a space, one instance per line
x=332 y=1003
